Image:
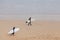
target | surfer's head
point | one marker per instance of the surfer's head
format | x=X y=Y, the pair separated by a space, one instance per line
x=13 y=28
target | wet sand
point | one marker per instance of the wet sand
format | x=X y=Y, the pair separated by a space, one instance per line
x=40 y=30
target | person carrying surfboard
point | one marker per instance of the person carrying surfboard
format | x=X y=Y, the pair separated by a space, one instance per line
x=13 y=31
x=29 y=22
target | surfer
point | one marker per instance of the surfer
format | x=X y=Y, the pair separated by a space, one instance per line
x=29 y=21
x=13 y=31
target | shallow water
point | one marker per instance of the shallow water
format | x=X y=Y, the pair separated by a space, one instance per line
x=37 y=17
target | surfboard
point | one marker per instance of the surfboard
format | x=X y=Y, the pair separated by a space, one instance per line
x=11 y=31
x=31 y=20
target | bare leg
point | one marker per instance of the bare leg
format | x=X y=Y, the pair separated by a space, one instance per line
x=28 y=24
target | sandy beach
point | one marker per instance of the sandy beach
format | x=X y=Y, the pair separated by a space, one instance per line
x=40 y=30
x=44 y=14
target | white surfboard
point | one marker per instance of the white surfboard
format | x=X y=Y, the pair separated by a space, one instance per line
x=11 y=31
x=31 y=20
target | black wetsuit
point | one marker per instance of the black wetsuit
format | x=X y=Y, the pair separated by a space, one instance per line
x=30 y=21
x=13 y=31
